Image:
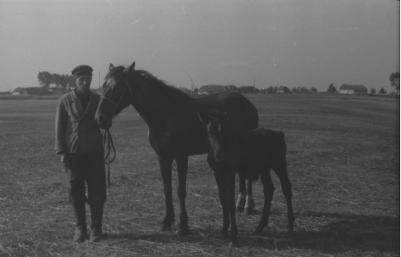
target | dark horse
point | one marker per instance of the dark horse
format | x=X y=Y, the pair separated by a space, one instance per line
x=175 y=130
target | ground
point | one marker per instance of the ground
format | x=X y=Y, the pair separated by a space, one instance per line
x=343 y=156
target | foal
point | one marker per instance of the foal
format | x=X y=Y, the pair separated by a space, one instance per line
x=252 y=155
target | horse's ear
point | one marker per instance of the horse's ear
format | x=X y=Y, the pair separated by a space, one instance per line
x=132 y=67
x=111 y=66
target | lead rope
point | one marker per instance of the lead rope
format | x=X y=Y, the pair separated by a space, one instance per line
x=110 y=152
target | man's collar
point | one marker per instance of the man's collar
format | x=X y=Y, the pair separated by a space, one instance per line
x=76 y=94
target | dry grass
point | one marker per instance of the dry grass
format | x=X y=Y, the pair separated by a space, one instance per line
x=343 y=163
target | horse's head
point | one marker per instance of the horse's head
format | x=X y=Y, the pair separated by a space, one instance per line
x=116 y=94
x=216 y=129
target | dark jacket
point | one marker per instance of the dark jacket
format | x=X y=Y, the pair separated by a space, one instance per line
x=76 y=129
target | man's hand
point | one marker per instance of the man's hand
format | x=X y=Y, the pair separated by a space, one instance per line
x=64 y=158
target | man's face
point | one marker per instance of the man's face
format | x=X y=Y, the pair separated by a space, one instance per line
x=83 y=83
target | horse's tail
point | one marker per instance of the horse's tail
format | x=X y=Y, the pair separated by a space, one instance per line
x=282 y=136
x=282 y=143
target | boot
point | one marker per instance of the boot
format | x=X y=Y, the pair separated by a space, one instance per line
x=80 y=233
x=96 y=222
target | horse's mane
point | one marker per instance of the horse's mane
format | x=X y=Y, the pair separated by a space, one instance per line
x=155 y=86
x=114 y=71
x=172 y=93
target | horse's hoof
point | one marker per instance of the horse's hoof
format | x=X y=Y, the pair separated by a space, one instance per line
x=166 y=227
x=167 y=223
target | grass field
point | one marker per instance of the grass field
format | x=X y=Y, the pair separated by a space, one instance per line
x=343 y=157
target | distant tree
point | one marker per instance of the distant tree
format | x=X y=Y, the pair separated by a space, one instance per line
x=313 y=90
x=332 y=89
x=268 y=90
x=248 y=89
x=300 y=90
x=56 y=79
x=66 y=81
x=232 y=88
x=284 y=89
x=296 y=90
x=61 y=80
x=382 y=91
x=45 y=79
x=372 y=91
x=395 y=80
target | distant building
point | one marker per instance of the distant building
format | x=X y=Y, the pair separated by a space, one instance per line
x=30 y=91
x=214 y=89
x=353 y=89
x=19 y=91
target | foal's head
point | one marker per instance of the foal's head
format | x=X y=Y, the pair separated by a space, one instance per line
x=216 y=130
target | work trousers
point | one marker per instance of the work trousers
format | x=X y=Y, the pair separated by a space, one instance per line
x=89 y=170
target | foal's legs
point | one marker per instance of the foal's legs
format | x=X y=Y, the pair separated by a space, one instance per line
x=165 y=168
x=245 y=198
x=268 y=189
x=182 y=168
x=249 y=203
x=241 y=193
x=281 y=172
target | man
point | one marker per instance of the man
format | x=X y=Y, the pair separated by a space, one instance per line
x=79 y=144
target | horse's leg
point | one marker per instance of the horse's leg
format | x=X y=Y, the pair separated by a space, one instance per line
x=249 y=203
x=281 y=172
x=241 y=193
x=220 y=180
x=165 y=168
x=182 y=168
x=230 y=201
x=268 y=189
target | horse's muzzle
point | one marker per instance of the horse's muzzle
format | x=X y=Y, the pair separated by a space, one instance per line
x=102 y=121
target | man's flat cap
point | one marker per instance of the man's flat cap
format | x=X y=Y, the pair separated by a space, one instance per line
x=80 y=70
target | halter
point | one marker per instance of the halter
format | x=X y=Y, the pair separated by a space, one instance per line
x=108 y=143
x=116 y=104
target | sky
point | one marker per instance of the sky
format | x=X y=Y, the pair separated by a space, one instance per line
x=262 y=42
